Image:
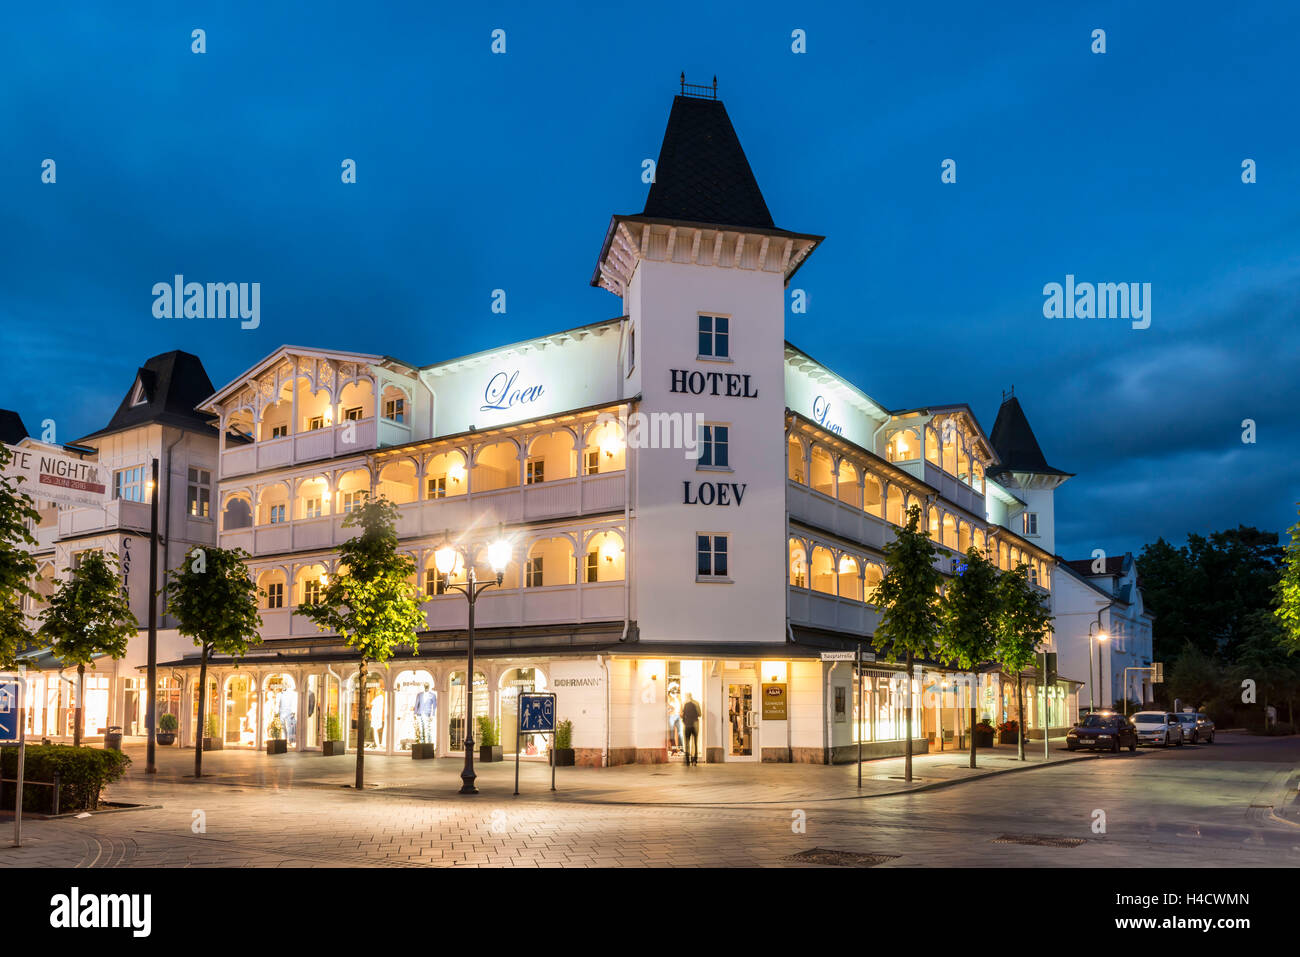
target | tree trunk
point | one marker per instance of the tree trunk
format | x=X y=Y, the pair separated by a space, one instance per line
x=361 y=726
x=1020 y=714
x=971 y=727
x=907 y=728
x=201 y=729
x=81 y=697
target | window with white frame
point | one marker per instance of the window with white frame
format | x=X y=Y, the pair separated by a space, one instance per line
x=395 y=410
x=354 y=414
x=533 y=572
x=436 y=486
x=199 y=493
x=1030 y=520
x=591 y=462
x=714 y=451
x=354 y=500
x=275 y=595
x=279 y=431
x=715 y=337
x=315 y=423
x=535 y=471
x=277 y=514
x=129 y=484
x=434 y=582
x=592 y=566
x=710 y=556
x=312 y=507
x=311 y=590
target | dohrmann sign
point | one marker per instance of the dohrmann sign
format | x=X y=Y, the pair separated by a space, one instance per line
x=53 y=477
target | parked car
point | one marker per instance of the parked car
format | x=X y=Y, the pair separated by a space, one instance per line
x=1197 y=727
x=1158 y=727
x=1102 y=729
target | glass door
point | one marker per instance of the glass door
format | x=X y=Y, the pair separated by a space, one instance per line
x=742 y=720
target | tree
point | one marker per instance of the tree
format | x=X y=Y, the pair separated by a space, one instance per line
x=369 y=602
x=88 y=615
x=1195 y=678
x=1288 y=592
x=214 y=600
x=1023 y=623
x=908 y=599
x=17 y=566
x=968 y=614
x=1266 y=658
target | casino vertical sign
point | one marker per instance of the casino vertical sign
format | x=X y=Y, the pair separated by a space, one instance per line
x=54 y=477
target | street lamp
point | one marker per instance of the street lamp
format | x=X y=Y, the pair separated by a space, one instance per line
x=151 y=711
x=447 y=560
x=1100 y=636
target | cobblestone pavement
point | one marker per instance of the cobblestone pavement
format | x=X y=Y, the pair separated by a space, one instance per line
x=1215 y=805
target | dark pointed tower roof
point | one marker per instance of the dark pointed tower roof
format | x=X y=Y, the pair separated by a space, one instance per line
x=702 y=175
x=12 y=430
x=165 y=391
x=1015 y=444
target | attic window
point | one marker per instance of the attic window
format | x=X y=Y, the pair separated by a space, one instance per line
x=138 y=396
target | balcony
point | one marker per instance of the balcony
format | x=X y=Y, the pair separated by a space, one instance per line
x=955 y=490
x=845 y=521
x=345 y=438
x=118 y=513
x=820 y=610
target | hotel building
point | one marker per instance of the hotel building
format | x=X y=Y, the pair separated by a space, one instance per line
x=695 y=506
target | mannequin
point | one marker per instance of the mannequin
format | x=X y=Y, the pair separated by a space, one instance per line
x=376 y=722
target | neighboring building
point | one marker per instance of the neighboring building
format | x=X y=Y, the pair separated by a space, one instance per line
x=156 y=420
x=640 y=573
x=1106 y=591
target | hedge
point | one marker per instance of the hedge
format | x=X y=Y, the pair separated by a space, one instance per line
x=83 y=773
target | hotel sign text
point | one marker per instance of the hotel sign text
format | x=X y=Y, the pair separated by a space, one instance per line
x=731 y=384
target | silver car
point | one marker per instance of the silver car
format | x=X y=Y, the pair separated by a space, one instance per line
x=1158 y=727
x=1197 y=727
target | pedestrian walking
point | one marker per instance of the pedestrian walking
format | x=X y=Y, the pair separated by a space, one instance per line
x=691 y=725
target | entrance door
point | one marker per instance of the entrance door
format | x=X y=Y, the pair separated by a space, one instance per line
x=742 y=720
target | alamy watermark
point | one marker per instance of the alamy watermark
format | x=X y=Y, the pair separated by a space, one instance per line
x=179 y=299
x=659 y=430
x=1103 y=300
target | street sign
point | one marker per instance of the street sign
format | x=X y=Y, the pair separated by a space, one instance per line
x=839 y=656
x=9 y=730
x=537 y=713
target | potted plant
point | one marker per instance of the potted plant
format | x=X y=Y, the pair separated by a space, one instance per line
x=167 y=725
x=422 y=749
x=333 y=743
x=489 y=747
x=277 y=744
x=983 y=732
x=212 y=738
x=564 y=753
x=1009 y=732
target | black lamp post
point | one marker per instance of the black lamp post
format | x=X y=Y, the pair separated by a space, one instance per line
x=447 y=559
x=152 y=709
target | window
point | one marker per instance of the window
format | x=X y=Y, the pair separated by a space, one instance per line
x=79 y=557
x=128 y=484
x=437 y=487
x=535 y=471
x=354 y=500
x=434 y=583
x=275 y=595
x=631 y=349
x=715 y=337
x=353 y=414
x=533 y=572
x=713 y=447
x=593 y=559
x=394 y=409
x=311 y=507
x=200 y=492
x=138 y=397
x=591 y=462
x=277 y=514
x=315 y=423
x=711 y=556
x=1031 y=523
x=311 y=591
x=279 y=431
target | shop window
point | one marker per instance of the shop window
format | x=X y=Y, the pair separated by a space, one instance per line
x=715 y=337
x=714 y=447
x=513 y=683
x=280 y=709
x=711 y=556
x=375 y=701
x=456 y=707
x=240 y=712
x=415 y=709
x=199 y=493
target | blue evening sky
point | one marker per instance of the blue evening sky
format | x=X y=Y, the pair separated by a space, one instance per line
x=478 y=171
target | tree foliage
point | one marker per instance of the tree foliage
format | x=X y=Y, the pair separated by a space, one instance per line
x=1287 y=592
x=908 y=595
x=968 y=613
x=17 y=566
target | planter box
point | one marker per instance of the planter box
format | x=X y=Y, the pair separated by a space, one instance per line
x=330 y=748
x=422 y=751
x=983 y=739
x=280 y=746
x=163 y=737
x=563 y=757
x=490 y=752
x=1009 y=737
x=213 y=744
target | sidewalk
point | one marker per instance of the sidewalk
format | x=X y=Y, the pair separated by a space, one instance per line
x=718 y=785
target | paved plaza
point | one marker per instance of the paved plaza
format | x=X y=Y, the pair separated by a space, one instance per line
x=1231 y=803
